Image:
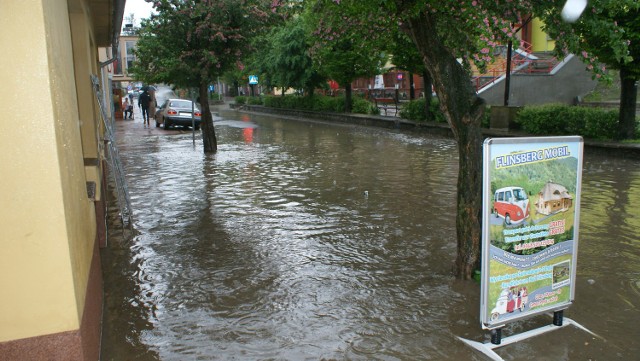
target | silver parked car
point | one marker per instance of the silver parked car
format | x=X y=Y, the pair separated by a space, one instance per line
x=177 y=112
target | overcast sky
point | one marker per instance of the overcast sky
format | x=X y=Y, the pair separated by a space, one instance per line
x=140 y=8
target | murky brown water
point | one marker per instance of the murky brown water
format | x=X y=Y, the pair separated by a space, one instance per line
x=310 y=241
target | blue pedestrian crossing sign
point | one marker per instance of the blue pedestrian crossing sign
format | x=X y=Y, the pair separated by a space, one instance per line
x=253 y=79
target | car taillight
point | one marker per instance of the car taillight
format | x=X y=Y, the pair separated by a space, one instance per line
x=198 y=113
x=171 y=112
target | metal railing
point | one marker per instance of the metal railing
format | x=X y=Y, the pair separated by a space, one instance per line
x=522 y=62
x=113 y=157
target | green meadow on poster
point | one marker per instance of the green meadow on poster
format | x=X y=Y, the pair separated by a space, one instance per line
x=531 y=203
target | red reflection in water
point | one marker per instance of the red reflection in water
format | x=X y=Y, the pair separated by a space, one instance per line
x=248 y=135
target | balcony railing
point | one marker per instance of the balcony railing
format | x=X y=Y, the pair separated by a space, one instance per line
x=522 y=62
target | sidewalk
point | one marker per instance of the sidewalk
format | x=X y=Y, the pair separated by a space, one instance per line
x=136 y=126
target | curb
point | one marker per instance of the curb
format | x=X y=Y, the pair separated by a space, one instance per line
x=592 y=146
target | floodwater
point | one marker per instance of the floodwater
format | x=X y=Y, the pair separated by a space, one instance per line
x=311 y=241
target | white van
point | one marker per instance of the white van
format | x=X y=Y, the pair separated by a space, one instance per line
x=512 y=204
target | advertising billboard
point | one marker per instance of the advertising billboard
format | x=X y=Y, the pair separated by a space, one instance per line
x=531 y=204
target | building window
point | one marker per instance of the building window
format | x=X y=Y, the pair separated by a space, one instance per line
x=130 y=56
x=117 y=65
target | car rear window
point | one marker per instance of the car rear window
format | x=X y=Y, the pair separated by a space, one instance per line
x=180 y=104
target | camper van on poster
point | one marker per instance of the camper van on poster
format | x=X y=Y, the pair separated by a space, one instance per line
x=511 y=204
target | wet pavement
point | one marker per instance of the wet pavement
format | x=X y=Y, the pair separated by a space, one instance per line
x=314 y=241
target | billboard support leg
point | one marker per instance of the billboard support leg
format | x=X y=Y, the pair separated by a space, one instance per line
x=496 y=336
x=557 y=318
x=487 y=348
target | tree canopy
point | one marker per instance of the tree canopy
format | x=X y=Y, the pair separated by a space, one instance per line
x=189 y=43
x=283 y=57
x=450 y=36
x=345 y=45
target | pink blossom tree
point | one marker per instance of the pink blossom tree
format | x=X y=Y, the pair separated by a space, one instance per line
x=345 y=46
x=450 y=36
x=189 y=43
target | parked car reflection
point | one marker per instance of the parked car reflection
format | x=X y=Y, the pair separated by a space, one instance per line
x=177 y=112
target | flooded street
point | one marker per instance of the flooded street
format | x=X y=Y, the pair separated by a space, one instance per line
x=313 y=241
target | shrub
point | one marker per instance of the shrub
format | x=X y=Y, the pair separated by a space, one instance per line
x=319 y=103
x=551 y=119
x=485 y=122
x=323 y=103
x=363 y=106
x=272 y=101
x=331 y=104
x=240 y=100
x=415 y=111
x=560 y=119
x=337 y=103
x=254 y=101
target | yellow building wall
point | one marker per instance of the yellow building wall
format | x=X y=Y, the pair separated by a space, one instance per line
x=84 y=66
x=85 y=127
x=539 y=39
x=47 y=221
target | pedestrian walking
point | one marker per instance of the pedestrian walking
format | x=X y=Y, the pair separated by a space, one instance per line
x=144 y=100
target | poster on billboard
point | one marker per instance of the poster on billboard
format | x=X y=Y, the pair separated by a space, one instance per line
x=531 y=204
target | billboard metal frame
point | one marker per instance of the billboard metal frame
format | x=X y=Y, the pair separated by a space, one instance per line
x=505 y=154
x=529 y=251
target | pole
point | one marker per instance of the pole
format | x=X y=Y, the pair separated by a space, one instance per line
x=507 y=80
x=412 y=90
x=193 y=118
x=219 y=90
x=507 y=83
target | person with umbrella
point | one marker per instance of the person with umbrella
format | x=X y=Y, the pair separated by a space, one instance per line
x=144 y=100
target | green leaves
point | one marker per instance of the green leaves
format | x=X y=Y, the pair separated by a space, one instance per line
x=608 y=32
x=348 y=38
x=190 y=42
x=283 y=57
x=561 y=119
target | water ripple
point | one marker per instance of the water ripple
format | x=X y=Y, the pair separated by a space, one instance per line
x=312 y=241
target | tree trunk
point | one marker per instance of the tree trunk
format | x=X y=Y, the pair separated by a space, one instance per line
x=628 y=96
x=310 y=91
x=347 y=98
x=234 y=91
x=463 y=110
x=428 y=95
x=209 y=140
